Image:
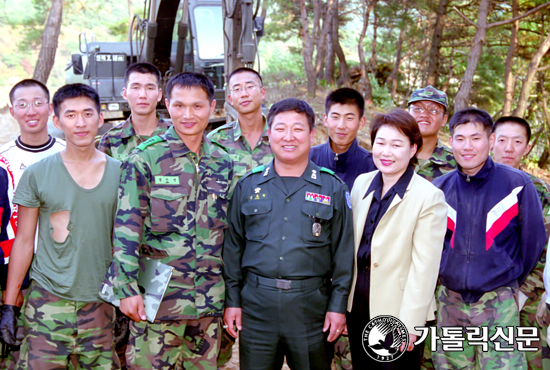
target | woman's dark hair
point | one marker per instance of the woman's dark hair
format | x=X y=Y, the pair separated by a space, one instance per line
x=402 y=121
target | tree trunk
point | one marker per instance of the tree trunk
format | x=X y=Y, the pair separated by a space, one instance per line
x=344 y=69
x=433 y=66
x=307 y=49
x=508 y=74
x=528 y=81
x=331 y=47
x=365 y=86
x=323 y=36
x=461 y=98
x=46 y=58
x=392 y=78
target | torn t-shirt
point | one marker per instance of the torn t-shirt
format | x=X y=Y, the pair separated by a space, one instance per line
x=75 y=267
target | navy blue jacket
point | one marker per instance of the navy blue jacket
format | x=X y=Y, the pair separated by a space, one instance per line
x=495 y=230
x=348 y=165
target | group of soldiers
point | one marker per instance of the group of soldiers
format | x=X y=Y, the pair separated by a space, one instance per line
x=256 y=224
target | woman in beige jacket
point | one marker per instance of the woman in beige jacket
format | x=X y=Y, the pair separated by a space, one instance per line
x=399 y=222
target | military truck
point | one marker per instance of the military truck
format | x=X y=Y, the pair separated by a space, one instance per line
x=211 y=37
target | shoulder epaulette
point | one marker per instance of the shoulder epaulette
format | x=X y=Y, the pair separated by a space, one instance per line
x=258 y=169
x=148 y=142
x=323 y=169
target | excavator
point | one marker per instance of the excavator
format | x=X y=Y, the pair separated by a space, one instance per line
x=213 y=37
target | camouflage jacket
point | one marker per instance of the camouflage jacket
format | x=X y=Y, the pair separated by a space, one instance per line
x=121 y=140
x=173 y=207
x=534 y=285
x=244 y=158
x=441 y=162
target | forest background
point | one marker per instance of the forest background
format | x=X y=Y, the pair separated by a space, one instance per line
x=490 y=54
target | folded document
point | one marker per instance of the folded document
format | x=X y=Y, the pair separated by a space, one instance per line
x=153 y=279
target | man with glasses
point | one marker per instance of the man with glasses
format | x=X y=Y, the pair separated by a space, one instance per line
x=30 y=100
x=429 y=107
x=246 y=138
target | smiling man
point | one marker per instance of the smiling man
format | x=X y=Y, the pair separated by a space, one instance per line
x=288 y=252
x=173 y=201
x=142 y=92
x=511 y=136
x=429 y=107
x=245 y=139
x=494 y=239
x=344 y=117
x=71 y=195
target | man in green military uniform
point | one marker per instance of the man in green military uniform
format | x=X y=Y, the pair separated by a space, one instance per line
x=511 y=143
x=142 y=92
x=288 y=252
x=172 y=207
x=429 y=107
x=245 y=139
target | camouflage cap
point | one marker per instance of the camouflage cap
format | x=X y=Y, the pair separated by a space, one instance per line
x=429 y=93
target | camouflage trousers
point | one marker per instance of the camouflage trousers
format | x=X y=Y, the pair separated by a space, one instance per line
x=342 y=353
x=59 y=332
x=540 y=359
x=495 y=308
x=182 y=344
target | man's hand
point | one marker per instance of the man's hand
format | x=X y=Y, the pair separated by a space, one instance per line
x=412 y=339
x=233 y=317
x=337 y=324
x=133 y=308
x=8 y=324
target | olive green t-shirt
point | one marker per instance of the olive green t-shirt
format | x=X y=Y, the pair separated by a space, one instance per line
x=75 y=268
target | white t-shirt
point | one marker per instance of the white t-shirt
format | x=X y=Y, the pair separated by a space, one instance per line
x=15 y=156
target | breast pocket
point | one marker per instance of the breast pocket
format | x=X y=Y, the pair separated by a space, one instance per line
x=257 y=215
x=168 y=208
x=217 y=204
x=316 y=213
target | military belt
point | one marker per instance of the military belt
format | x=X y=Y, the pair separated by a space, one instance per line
x=285 y=284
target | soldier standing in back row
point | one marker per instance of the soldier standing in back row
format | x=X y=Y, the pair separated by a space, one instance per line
x=288 y=252
x=142 y=92
x=246 y=142
x=173 y=200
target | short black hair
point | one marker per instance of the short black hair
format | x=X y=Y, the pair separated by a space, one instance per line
x=345 y=96
x=72 y=91
x=191 y=79
x=29 y=83
x=517 y=121
x=291 y=105
x=404 y=123
x=471 y=115
x=242 y=70
x=145 y=68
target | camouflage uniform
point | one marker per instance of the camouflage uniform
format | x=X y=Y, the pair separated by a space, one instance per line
x=533 y=288
x=244 y=159
x=173 y=207
x=497 y=308
x=52 y=323
x=441 y=162
x=121 y=140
